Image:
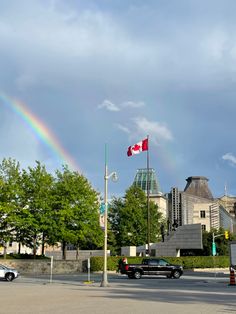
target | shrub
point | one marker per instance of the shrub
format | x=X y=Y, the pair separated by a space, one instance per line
x=188 y=262
x=24 y=256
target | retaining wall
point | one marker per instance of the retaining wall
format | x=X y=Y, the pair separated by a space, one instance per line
x=38 y=267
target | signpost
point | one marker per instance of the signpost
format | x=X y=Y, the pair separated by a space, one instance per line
x=232 y=247
x=232 y=268
x=51 y=269
x=89 y=269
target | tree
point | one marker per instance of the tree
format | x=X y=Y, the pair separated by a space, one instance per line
x=128 y=219
x=115 y=210
x=76 y=210
x=222 y=245
x=10 y=193
x=36 y=224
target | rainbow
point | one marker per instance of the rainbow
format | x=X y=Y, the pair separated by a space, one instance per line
x=40 y=130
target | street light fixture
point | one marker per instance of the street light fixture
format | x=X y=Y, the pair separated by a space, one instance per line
x=114 y=177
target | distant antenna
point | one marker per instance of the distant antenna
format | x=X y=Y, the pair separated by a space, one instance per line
x=225 y=189
x=226 y=196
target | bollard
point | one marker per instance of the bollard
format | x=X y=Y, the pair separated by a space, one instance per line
x=232 y=277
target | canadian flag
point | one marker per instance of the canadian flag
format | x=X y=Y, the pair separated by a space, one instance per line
x=138 y=148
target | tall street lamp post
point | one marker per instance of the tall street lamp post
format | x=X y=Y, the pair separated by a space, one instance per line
x=113 y=175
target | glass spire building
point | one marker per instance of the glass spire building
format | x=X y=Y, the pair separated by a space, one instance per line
x=141 y=179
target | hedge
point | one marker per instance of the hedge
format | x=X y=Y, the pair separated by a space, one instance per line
x=188 y=262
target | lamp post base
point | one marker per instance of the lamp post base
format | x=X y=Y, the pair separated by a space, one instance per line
x=104 y=282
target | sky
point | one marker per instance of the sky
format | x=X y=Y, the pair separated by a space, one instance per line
x=78 y=75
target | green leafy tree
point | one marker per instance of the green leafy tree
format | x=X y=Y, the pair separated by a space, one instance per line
x=222 y=244
x=34 y=224
x=115 y=210
x=76 y=210
x=10 y=193
x=206 y=243
x=128 y=219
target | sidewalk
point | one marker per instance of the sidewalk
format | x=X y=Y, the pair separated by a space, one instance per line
x=212 y=270
x=76 y=298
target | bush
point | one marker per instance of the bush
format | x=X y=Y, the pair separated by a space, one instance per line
x=24 y=256
x=188 y=262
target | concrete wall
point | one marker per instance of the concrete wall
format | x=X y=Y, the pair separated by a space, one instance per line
x=161 y=202
x=185 y=237
x=128 y=251
x=197 y=208
x=38 y=267
x=71 y=254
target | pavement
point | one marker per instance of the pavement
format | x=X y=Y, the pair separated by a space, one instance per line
x=193 y=293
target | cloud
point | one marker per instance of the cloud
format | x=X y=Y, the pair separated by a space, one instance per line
x=132 y=104
x=158 y=131
x=123 y=128
x=231 y=158
x=110 y=106
x=107 y=104
x=141 y=127
x=60 y=43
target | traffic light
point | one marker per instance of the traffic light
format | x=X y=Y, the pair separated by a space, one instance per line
x=226 y=235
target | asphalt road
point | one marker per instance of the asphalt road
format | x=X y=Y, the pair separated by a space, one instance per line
x=192 y=293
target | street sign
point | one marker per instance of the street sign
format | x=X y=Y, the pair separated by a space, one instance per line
x=102 y=208
x=232 y=246
x=213 y=249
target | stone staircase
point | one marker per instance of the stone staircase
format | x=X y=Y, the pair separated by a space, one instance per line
x=184 y=237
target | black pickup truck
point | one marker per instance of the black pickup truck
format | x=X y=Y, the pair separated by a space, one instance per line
x=152 y=266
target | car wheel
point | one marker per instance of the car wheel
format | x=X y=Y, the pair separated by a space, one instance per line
x=9 y=276
x=176 y=274
x=137 y=275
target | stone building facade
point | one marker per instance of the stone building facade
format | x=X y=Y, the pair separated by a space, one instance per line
x=196 y=204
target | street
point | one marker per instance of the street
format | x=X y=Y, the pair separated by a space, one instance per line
x=192 y=293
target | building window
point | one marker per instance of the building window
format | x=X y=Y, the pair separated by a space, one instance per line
x=202 y=213
x=203 y=227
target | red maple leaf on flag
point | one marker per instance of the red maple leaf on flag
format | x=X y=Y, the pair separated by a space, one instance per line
x=136 y=147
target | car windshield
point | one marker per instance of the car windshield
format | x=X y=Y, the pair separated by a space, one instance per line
x=162 y=262
x=3 y=267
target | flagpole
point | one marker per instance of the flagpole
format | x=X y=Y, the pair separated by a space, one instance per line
x=148 y=202
x=104 y=282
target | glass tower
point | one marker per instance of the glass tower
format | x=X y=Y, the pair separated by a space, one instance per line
x=141 y=179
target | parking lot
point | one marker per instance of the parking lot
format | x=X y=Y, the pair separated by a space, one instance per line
x=192 y=293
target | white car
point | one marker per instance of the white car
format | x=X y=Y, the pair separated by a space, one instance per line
x=8 y=273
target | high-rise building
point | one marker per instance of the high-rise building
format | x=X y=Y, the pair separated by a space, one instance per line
x=174 y=207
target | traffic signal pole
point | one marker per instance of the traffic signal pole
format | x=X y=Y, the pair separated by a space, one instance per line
x=226 y=234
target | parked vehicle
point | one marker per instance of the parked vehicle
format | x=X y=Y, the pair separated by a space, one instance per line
x=151 y=266
x=8 y=273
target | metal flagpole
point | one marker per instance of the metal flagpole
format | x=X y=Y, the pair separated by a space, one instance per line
x=104 y=282
x=148 y=197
